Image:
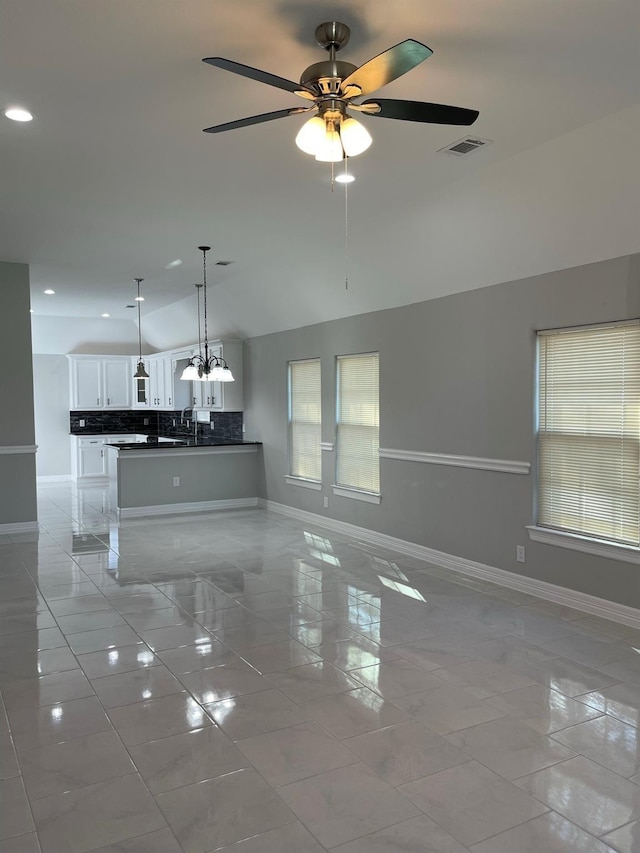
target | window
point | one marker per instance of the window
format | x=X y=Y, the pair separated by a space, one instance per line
x=358 y=423
x=589 y=430
x=305 y=419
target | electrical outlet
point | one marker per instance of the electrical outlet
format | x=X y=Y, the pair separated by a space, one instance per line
x=173 y=422
x=520 y=553
x=146 y=421
x=176 y=481
x=325 y=502
x=82 y=422
x=212 y=425
x=244 y=427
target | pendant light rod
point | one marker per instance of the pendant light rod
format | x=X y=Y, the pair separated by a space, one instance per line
x=139 y=281
x=198 y=289
x=140 y=373
x=204 y=250
x=207 y=368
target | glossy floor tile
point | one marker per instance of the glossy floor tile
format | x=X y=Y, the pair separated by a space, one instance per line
x=77 y=821
x=550 y=833
x=259 y=685
x=215 y=813
x=472 y=802
x=586 y=793
x=344 y=804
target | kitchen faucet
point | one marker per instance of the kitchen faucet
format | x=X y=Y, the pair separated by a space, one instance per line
x=190 y=417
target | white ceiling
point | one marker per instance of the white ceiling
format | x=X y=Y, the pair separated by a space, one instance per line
x=115 y=179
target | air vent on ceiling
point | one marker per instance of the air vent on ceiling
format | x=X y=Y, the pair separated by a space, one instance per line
x=129 y=306
x=223 y=263
x=465 y=145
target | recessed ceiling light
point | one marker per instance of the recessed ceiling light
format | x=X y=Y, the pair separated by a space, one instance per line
x=49 y=292
x=139 y=298
x=344 y=178
x=105 y=315
x=173 y=264
x=18 y=114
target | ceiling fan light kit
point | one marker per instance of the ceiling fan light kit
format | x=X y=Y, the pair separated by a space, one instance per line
x=333 y=86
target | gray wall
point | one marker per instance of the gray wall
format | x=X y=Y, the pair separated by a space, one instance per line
x=148 y=480
x=17 y=471
x=456 y=376
x=51 y=407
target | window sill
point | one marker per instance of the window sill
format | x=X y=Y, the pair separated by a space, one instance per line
x=597 y=547
x=356 y=494
x=316 y=485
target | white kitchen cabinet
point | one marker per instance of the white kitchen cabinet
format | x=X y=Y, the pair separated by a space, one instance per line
x=156 y=392
x=141 y=388
x=169 y=382
x=86 y=383
x=156 y=382
x=92 y=460
x=116 y=384
x=100 y=383
x=87 y=457
x=207 y=395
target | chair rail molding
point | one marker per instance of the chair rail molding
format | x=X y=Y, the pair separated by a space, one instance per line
x=12 y=449
x=505 y=466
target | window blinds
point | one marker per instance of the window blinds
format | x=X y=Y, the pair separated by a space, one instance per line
x=305 y=419
x=358 y=427
x=588 y=438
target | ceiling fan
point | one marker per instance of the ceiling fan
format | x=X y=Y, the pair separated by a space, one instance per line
x=333 y=87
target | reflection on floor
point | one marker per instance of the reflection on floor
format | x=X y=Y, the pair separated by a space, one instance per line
x=240 y=681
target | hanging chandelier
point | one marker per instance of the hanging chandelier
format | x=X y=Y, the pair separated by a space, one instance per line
x=140 y=373
x=207 y=367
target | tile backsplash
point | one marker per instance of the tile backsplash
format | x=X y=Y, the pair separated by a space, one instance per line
x=226 y=425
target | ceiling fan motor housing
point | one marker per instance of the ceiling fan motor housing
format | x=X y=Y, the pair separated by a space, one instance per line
x=326 y=76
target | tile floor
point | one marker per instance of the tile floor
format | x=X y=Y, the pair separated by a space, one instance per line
x=245 y=683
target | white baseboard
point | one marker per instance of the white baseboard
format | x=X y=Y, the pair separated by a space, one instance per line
x=91 y=480
x=591 y=604
x=19 y=527
x=198 y=506
x=53 y=478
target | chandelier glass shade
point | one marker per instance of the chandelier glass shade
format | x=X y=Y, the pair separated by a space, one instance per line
x=205 y=367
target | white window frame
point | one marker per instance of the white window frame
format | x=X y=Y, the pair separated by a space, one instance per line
x=292 y=478
x=347 y=490
x=565 y=538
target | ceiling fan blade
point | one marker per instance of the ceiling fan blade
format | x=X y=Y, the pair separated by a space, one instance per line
x=257 y=74
x=245 y=122
x=387 y=66
x=421 y=111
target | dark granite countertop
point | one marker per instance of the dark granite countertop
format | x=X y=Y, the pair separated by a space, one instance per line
x=186 y=443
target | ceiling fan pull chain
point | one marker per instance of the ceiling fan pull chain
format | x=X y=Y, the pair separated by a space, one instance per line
x=346 y=229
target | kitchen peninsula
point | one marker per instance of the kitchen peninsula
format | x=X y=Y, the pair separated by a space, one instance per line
x=190 y=475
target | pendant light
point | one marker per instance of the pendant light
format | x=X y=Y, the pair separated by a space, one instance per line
x=207 y=368
x=140 y=373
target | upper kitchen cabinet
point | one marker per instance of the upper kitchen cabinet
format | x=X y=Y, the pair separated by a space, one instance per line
x=222 y=396
x=160 y=390
x=117 y=383
x=107 y=382
x=100 y=383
